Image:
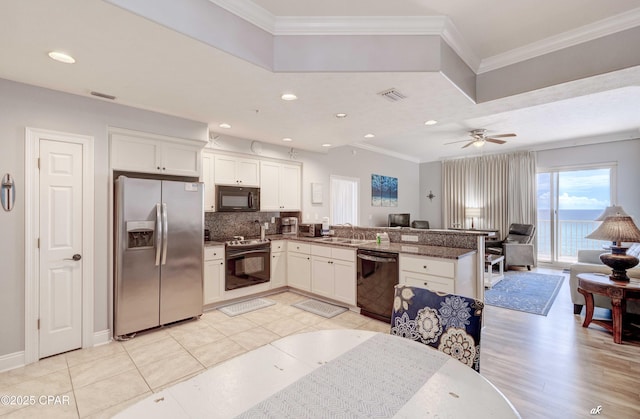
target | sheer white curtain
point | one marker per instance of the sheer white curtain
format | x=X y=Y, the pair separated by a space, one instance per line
x=502 y=185
x=344 y=200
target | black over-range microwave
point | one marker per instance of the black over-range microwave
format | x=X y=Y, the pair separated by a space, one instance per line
x=237 y=198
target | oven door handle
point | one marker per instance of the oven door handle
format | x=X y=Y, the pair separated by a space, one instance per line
x=376 y=259
x=233 y=254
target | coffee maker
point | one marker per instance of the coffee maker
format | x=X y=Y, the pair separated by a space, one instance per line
x=290 y=225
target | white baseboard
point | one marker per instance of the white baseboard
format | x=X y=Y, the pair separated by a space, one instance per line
x=102 y=337
x=11 y=361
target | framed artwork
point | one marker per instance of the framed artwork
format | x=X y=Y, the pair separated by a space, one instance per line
x=384 y=191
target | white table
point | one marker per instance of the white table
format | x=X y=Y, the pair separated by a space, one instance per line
x=235 y=386
x=491 y=278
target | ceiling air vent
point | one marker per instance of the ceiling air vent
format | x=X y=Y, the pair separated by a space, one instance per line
x=392 y=95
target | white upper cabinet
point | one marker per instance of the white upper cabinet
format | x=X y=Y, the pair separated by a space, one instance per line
x=239 y=171
x=209 y=182
x=279 y=186
x=133 y=151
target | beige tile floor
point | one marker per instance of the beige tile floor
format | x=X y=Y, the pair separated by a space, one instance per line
x=101 y=381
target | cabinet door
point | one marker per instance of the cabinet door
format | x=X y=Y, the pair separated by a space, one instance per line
x=248 y=172
x=224 y=168
x=322 y=276
x=180 y=160
x=209 y=182
x=269 y=186
x=299 y=271
x=134 y=154
x=344 y=288
x=278 y=270
x=213 y=280
x=290 y=188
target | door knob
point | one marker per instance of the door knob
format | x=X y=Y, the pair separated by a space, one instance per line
x=75 y=257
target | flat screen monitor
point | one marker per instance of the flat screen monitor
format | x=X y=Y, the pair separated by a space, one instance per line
x=399 y=220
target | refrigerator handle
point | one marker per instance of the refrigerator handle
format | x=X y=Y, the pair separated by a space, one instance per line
x=158 y=233
x=165 y=239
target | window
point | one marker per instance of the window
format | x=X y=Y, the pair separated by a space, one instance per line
x=569 y=200
x=344 y=200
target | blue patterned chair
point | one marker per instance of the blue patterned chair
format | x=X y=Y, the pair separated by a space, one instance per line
x=448 y=322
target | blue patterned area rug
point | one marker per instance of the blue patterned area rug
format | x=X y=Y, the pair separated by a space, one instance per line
x=525 y=291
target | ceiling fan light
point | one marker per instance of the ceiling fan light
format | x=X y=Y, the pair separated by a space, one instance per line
x=478 y=143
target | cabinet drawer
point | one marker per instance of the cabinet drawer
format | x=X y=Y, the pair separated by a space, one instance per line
x=298 y=247
x=429 y=266
x=343 y=254
x=278 y=246
x=433 y=283
x=324 y=251
x=213 y=252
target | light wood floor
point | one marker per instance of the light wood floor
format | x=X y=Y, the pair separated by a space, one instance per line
x=552 y=367
x=549 y=367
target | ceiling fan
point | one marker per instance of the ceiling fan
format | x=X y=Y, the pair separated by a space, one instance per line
x=479 y=137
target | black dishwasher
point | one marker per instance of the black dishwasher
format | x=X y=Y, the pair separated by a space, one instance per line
x=377 y=276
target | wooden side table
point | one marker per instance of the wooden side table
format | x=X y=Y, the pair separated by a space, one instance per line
x=619 y=292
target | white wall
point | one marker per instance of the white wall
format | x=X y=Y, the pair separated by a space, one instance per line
x=344 y=161
x=431 y=181
x=27 y=106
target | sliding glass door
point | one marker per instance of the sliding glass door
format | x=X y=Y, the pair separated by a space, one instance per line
x=568 y=202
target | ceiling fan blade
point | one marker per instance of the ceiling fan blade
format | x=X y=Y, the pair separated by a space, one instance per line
x=454 y=142
x=503 y=135
x=470 y=142
x=496 y=141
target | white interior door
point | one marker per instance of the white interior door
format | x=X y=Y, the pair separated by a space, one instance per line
x=61 y=221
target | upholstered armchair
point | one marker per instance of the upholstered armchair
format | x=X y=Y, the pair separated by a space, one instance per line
x=517 y=247
x=449 y=323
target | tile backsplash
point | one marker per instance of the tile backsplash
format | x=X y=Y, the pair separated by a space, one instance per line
x=225 y=225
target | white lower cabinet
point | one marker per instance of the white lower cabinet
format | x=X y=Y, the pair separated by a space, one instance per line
x=333 y=273
x=453 y=276
x=278 y=264
x=299 y=266
x=213 y=286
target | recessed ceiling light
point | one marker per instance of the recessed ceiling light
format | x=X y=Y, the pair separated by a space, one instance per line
x=287 y=140
x=369 y=136
x=224 y=125
x=431 y=122
x=288 y=96
x=62 y=57
x=326 y=145
x=341 y=115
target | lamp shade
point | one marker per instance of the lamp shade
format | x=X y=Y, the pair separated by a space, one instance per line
x=609 y=211
x=471 y=212
x=616 y=228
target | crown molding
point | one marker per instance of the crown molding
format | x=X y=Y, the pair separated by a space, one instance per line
x=456 y=41
x=425 y=25
x=590 y=32
x=385 y=152
x=250 y=12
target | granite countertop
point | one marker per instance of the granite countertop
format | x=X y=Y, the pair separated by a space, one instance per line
x=407 y=248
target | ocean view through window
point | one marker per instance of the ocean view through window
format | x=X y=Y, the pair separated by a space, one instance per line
x=568 y=203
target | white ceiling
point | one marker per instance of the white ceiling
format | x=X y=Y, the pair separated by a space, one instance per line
x=149 y=66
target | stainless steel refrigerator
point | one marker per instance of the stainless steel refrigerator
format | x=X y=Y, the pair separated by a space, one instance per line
x=158 y=253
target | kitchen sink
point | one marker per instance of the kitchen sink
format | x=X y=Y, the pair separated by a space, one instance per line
x=344 y=240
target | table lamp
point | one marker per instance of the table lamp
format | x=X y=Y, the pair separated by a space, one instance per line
x=472 y=212
x=609 y=211
x=617 y=229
